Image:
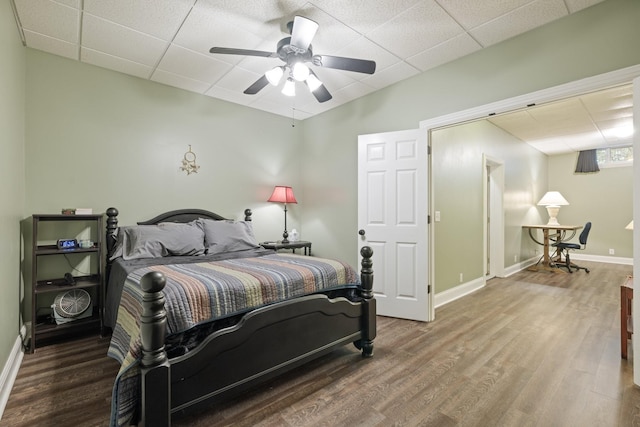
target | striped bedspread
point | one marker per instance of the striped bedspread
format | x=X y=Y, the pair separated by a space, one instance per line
x=199 y=292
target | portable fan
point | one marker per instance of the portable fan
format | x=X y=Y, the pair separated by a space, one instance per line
x=71 y=305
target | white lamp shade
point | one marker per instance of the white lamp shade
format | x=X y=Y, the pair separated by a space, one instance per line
x=274 y=75
x=300 y=72
x=313 y=82
x=289 y=88
x=553 y=198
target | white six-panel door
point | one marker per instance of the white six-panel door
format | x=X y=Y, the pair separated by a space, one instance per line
x=392 y=217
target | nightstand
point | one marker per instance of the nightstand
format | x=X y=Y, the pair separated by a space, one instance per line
x=290 y=245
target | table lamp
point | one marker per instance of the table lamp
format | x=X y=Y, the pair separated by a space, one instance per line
x=553 y=200
x=283 y=194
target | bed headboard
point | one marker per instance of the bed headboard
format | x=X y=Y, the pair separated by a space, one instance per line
x=180 y=215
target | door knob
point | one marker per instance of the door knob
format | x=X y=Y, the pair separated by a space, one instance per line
x=361 y=232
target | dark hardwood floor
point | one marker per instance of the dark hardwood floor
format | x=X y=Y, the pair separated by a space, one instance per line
x=535 y=349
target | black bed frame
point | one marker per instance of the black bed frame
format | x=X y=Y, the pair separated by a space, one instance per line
x=266 y=342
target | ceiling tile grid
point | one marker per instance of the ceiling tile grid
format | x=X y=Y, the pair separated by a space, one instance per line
x=168 y=41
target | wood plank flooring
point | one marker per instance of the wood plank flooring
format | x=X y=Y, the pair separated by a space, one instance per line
x=535 y=349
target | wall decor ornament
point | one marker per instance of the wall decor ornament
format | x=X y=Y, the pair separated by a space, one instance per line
x=189 y=162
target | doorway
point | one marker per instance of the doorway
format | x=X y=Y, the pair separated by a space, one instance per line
x=493 y=217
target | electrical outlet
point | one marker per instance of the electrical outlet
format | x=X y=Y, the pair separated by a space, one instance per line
x=515 y=258
x=612 y=252
x=461 y=278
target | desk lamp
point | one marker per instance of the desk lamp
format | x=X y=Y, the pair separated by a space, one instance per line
x=553 y=200
x=282 y=194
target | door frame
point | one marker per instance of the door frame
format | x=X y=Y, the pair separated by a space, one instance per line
x=555 y=93
x=493 y=216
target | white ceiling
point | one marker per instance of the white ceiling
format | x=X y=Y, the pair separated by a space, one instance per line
x=168 y=41
x=594 y=120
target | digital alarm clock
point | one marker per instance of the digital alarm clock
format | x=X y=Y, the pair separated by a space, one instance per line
x=67 y=244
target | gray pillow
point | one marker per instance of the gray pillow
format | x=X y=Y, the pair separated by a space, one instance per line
x=164 y=239
x=227 y=236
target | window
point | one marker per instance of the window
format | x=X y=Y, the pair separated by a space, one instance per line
x=615 y=156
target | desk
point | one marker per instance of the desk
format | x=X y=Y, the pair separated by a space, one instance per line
x=626 y=326
x=557 y=233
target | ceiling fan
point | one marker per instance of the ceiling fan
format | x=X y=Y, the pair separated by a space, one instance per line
x=296 y=52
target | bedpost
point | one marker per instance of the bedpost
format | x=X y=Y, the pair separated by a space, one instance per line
x=156 y=381
x=110 y=240
x=112 y=226
x=369 y=303
x=247 y=214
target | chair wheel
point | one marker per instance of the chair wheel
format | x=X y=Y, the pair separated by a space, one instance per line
x=587 y=270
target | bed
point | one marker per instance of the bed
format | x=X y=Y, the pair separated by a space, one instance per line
x=196 y=322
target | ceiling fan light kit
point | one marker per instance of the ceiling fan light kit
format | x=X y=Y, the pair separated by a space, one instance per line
x=313 y=83
x=275 y=75
x=296 y=52
x=289 y=88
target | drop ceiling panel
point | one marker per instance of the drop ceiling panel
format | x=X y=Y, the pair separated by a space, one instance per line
x=419 y=28
x=158 y=18
x=583 y=122
x=528 y=17
x=50 y=19
x=365 y=16
x=447 y=51
x=116 y=63
x=205 y=28
x=471 y=14
x=363 y=48
x=117 y=40
x=179 y=81
x=52 y=45
x=200 y=67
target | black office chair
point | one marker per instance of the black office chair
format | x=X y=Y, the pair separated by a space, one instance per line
x=565 y=247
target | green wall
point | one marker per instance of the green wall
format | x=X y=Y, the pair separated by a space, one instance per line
x=457 y=171
x=604 y=198
x=97 y=138
x=12 y=174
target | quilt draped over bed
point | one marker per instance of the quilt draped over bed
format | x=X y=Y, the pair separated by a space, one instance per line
x=200 y=292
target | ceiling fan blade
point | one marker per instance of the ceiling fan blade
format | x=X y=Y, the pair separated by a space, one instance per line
x=257 y=86
x=303 y=31
x=248 y=52
x=321 y=93
x=348 y=64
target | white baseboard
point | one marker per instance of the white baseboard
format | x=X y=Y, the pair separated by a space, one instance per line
x=574 y=256
x=602 y=258
x=444 y=297
x=10 y=370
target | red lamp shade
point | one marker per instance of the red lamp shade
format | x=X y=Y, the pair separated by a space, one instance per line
x=282 y=194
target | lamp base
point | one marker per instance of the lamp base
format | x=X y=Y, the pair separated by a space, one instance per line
x=553 y=215
x=553 y=221
x=285 y=237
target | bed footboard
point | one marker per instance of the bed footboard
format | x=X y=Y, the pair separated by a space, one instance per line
x=267 y=342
